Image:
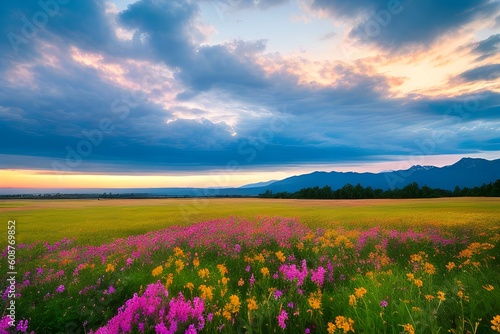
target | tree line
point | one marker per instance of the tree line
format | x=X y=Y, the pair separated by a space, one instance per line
x=412 y=190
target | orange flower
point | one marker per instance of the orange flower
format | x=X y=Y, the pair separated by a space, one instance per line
x=440 y=296
x=408 y=328
x=352 y=300
x=429 y=297
x=281 y=257
x=450 y=266
x=496 y=323
x=360 y=292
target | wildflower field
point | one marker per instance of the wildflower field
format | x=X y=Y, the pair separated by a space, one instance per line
x=268 y=274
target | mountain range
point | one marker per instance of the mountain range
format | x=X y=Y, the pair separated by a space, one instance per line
x=467 y=172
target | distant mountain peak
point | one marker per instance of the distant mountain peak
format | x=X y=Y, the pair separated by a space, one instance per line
x=419 y=167
x=469 y=162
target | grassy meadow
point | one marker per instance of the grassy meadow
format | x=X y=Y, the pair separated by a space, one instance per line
x=96 y=222
x=254 y=266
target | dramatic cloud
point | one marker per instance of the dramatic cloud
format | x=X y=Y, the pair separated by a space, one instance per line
x=488 y=47
x=394 y=24
x=486 y=72
x=153 y=87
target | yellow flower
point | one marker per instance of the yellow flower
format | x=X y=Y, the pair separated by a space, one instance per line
x=222 y=269
x=189 y=286
x=281 y=257
x=170 y=280
x=157 y=271
x=331 y=328
x=345 y=324
x=178 y=252
x=206 y=292
x=241 y=282
x=252 y=304
x=416 y=257
x=110 y=267
x=488 y=287
x=496 y=323
x=352 y=300
x=260 y=258
x=225 y=280
x=429 y=297
x=360 y=292
x=204 y=273
x=416 y=309
x=440 y=296
x=235 y=301
x=315 y=300
x=408 y=328
x=196 y=262
x=429 y=268
x=418 y=283
x=410 y=276
x=179 y=264
x=264 y=271
x=223 y=292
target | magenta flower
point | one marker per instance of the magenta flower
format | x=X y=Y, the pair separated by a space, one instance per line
x=281 y=319
x=277 y=294
x=22 y=326
x=318 y=276
x=60 y=288
x=384 y=303
x=252 y=280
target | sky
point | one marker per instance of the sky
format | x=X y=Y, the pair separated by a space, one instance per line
x=221 y=93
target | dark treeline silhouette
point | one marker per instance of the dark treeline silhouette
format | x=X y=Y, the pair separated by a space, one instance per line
x=410 y=191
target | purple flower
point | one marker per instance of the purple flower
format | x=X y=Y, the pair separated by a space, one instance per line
x=247 y=269
x=384 y=303
x=110 y=290
x=281 y=319
x=39 y=271
x=307 y=331
x=318 y=276
x=291 y=305
x=237 y=248
x=277 y=294
x=60 y=288
x=252 y=280
x=22 y=326
x=190 y=330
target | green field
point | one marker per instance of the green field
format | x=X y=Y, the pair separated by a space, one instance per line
x=95 y=222
x=252 y=266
